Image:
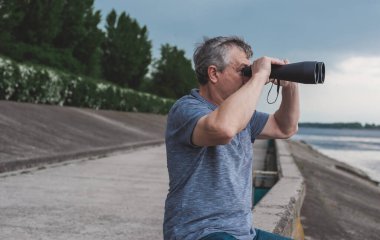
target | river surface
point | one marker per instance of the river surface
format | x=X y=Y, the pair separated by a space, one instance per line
x=359 y=148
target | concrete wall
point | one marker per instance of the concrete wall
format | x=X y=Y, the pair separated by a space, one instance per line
x=279 y=210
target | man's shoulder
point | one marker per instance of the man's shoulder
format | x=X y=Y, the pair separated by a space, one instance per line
x=186 y=103
x=189 y=98
x=187 y=108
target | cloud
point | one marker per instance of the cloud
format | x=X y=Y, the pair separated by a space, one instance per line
x=351 y=93
x=354 y=68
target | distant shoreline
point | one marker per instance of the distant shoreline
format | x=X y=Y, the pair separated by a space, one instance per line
x=353 y=125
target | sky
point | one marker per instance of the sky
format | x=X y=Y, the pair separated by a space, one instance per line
x=344 y=34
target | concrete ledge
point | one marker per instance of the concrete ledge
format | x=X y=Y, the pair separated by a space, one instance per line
x=89 y=154
x=279 y=210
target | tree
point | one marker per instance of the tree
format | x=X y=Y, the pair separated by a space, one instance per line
x=88 y=49
x=80 y=35
x=126 y=51
x=173 y=75
x=11 y=14
x=41 y=22
x=30 y=28
x=61 y=34
x=72 y=28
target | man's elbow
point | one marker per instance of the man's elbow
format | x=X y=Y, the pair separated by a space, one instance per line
x=226 y=135
x=219 y=133
x=289 y=132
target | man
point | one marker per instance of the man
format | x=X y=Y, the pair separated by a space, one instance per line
x=209 y=143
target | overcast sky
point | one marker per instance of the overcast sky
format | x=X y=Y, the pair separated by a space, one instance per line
x=343 y=34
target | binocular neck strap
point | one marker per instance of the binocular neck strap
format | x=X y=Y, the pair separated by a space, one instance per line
x=278 y=91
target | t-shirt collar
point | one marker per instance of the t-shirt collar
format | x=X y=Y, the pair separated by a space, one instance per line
x=195 y=93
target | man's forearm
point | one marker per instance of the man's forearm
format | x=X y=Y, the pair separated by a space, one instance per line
x=288 y=114
x=238 y=109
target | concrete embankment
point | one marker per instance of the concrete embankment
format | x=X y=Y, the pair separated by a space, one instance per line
x=114 y=197
x=331 y=199
x=339 y=204
x=34 y=134
x=279 y=210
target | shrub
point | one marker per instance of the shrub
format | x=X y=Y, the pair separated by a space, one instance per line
x=36 y=84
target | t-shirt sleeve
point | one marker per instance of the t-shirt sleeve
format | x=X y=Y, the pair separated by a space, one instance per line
x=257 y=123
x=182 y=120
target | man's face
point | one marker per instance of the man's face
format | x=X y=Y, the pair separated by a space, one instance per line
x=231 y=78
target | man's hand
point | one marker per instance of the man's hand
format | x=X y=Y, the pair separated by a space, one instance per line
x=261 y=67
x=283 y=83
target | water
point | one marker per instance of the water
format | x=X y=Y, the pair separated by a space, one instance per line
x=358 y=148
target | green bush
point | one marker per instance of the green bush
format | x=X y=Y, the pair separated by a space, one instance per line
x=48 y=56
x=27 y=83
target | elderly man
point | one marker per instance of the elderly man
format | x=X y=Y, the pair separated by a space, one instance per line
x=209 y=140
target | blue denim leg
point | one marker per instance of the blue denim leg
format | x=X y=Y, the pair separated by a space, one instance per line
x=260 y=235
x=263 y=235
x=218 y=236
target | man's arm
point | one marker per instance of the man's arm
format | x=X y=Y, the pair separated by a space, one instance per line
x=233 y=115
x=284 y=122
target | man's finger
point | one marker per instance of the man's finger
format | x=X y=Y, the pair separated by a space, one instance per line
x=277 y=61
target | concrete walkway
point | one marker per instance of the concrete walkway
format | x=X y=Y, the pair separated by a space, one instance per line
x=117 y=197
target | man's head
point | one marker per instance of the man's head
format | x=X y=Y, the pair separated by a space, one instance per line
x=216 y=52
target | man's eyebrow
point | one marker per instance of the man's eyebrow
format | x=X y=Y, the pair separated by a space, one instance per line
x=242 y=65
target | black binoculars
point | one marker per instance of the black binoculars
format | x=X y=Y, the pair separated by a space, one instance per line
x=302 y=72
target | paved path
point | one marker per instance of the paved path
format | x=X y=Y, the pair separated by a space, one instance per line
x=118 y=197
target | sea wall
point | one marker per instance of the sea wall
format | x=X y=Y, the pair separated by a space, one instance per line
x=279 y=210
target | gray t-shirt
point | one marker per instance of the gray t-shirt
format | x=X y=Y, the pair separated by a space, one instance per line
x=210 y=188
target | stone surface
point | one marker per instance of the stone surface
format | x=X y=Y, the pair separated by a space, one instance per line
x=32 y=133
x=280 y=208
x=118 y=197
x=338 y=204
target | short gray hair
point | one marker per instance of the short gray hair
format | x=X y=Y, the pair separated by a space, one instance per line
x=214 y=51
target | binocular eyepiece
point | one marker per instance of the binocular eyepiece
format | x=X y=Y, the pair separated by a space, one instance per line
x=302 y=72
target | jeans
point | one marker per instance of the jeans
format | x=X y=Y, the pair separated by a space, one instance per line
x=260 y=235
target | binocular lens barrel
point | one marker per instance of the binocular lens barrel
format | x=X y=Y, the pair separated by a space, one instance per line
x=309 y=72
x=321 y=67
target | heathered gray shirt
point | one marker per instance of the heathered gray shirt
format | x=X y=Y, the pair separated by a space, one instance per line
x=210 y=188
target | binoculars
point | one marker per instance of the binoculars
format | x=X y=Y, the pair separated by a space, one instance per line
x=302 y=72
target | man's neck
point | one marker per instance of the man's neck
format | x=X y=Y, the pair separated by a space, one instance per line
x=210 y=95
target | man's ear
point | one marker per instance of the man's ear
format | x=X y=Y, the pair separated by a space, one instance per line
x=212 y=73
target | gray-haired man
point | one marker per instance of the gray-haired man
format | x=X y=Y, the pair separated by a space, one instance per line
x=209 y=143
